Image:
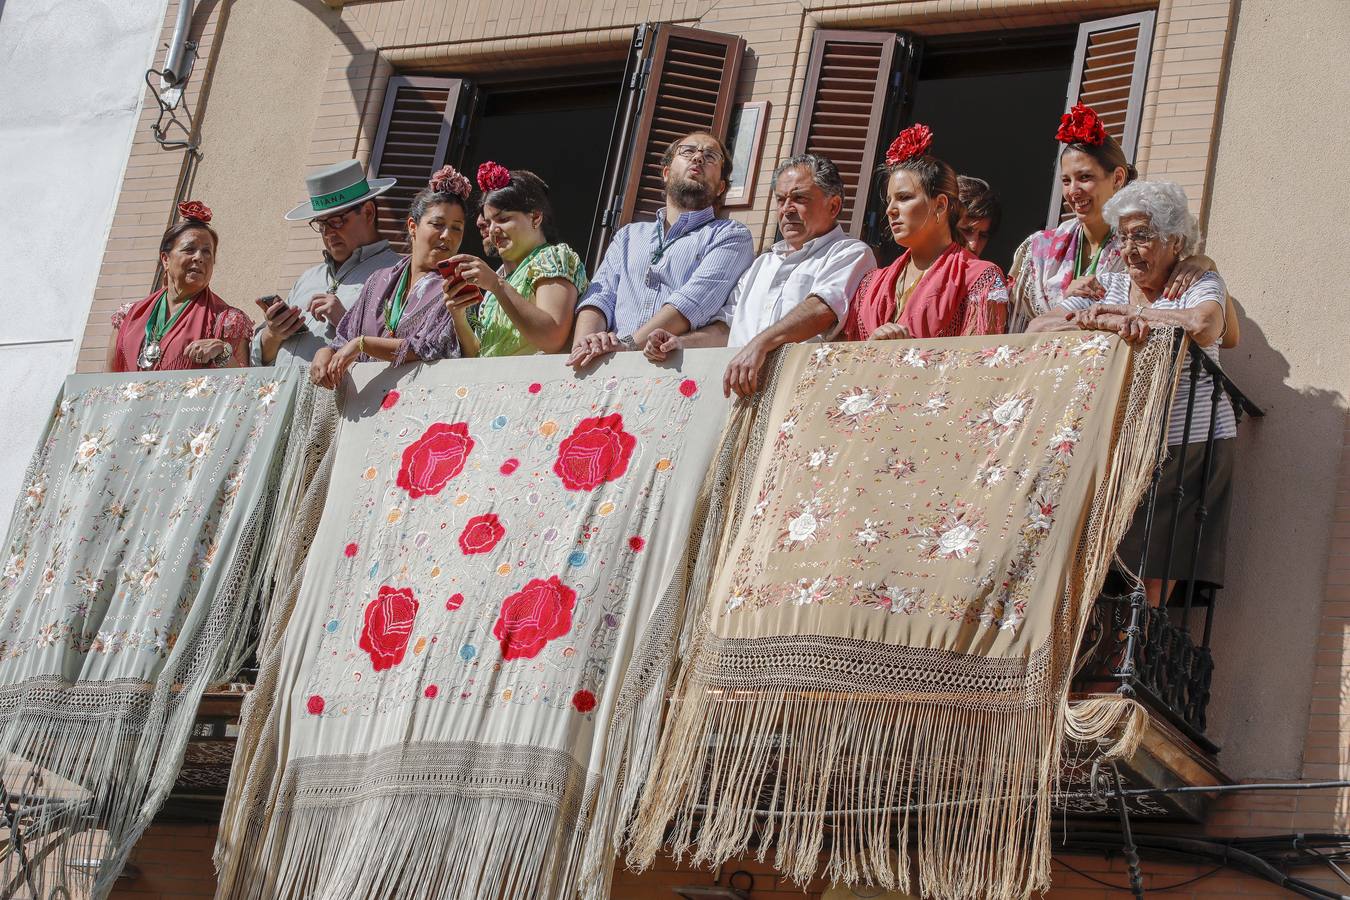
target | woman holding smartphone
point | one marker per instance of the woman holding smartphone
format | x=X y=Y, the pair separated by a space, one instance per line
x=399 y=316
x=531 y=300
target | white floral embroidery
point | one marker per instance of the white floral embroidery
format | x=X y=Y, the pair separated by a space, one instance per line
x=821 y=456
x=133 y=390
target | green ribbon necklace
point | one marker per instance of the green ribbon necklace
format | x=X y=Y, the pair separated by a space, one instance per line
x=1091 y=269
x=393 y=313
x=158 y=325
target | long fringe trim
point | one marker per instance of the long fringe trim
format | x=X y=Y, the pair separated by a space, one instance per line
x=411 y=846
x=779 y=770
x=774 y=770
x=254 y=768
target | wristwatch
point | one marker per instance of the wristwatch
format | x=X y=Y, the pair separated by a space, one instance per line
x=626 y=341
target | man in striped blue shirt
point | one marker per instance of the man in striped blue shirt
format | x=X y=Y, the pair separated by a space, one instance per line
x=676 y=273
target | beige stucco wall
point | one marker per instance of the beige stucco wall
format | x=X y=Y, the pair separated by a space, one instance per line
x=260 y=114
x=1279 y=195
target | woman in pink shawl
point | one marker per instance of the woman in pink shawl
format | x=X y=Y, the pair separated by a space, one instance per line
x=1063 y=262
x=183 y=325
x=938 y=288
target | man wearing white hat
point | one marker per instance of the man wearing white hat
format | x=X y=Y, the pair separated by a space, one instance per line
x=341 y=208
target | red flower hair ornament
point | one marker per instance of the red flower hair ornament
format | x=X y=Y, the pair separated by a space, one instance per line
x=492 y=177
x=1081 y=125
x=195 y=210
x=448 y=180
x=913 y=141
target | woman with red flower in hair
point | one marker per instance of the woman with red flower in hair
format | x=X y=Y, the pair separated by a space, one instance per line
x=529 y=302
x=938 y=288
x=183 y=325
x=1063 y=262
x=398 y=316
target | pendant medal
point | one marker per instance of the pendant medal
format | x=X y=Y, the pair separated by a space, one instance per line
x=150 y=354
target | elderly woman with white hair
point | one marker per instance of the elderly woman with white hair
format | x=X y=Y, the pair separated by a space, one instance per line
x=1156 y=232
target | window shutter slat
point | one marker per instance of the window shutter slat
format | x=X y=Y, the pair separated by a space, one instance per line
x=690 y=87
x=847 y=82
x=1110 y=68
x=414 y=138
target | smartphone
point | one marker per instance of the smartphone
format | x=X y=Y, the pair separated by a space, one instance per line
x=449 y=271
x=267 y=301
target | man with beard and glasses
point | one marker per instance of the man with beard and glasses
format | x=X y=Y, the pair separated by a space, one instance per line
x=797 y=290
x=674 y=274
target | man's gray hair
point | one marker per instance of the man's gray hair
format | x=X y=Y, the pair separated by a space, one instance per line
x=823 y=172
x=1165 y=205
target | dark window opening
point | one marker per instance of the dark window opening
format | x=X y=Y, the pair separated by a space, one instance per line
x=993 y=101
x=558 y=129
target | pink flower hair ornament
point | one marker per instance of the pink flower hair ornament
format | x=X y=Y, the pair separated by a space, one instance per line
x=913 y=141
x=449 y=180
x=492 y=176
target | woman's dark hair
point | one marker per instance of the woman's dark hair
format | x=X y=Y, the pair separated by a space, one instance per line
x=935 y=177
x=527 y=193
x=979 y=201
x=1108 y=154
x=181 y=227
x=427 y=198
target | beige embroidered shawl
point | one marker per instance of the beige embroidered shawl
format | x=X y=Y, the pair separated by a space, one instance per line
x=885 y=652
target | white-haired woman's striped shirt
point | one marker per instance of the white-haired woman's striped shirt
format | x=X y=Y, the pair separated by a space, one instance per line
x=1208 y=288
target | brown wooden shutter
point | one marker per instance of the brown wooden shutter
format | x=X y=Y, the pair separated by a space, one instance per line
x=421 y=122
x=1110 y=67
x=690 y=86
x=848 y=88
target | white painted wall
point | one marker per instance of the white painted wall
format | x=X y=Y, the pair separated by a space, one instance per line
x=70 y=94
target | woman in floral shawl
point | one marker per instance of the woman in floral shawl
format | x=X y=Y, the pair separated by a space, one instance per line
x=938 y=288
x=184 y=325
x=1061 y=262
x=398 y=316
x=531 y=299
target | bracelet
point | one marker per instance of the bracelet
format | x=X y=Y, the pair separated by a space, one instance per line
x=361 y=345
x=627 y=342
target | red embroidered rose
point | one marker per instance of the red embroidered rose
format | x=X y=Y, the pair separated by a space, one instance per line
x=510 y=466
x=584 y=701
x=492 y=176
x=597 y=451
x=481 y=534
x=195 y=209
x=389 y=622
x=315 y=705
x=689 y=387
x=539 y=613
x=350 y=550
x=1081 y=125
x=636 y=543
x=455 y=601
x=434 y=458
x=431 y=691
x=913 y=141
x=389 y=400
x=536 y=388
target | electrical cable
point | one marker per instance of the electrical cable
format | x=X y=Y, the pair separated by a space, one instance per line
x=1126 y=887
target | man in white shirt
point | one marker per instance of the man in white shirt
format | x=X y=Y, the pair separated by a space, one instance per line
x=798 y=290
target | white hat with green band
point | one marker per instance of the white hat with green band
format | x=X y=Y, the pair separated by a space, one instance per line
x=336 y=188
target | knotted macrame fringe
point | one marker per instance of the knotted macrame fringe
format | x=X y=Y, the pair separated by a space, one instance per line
x=965 y=779
x=99 y=759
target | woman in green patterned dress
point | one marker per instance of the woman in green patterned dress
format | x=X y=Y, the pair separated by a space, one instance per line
x=528 y=305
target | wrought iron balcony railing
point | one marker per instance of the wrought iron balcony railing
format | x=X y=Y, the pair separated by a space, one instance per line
x=1161 y=653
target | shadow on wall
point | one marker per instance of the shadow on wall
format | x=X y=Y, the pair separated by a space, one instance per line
x=1265 y=634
